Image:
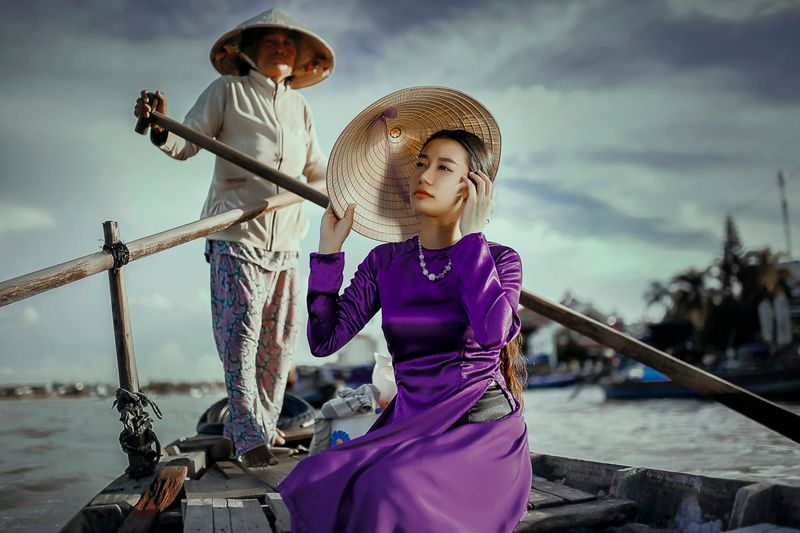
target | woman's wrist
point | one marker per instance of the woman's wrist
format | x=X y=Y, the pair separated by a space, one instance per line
x=329 y=249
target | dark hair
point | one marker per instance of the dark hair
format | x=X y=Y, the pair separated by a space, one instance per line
x=480 y=157
x=250 y=41
x=512 y=361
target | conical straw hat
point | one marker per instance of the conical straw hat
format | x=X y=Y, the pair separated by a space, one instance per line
x=314 y=60
x=371 y=161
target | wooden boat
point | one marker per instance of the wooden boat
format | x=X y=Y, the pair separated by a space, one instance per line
x=778 y=381
x=192 y=484
x=566 y=495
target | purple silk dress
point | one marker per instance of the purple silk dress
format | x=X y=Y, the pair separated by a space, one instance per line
x=411 y=471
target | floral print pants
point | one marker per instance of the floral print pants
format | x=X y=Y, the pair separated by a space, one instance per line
x=255 y=318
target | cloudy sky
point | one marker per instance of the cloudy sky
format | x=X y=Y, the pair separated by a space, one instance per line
x=631 y=128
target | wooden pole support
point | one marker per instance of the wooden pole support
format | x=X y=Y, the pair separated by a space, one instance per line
x=123 y=336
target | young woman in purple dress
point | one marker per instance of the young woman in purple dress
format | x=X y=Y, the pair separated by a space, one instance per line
x=450 y=452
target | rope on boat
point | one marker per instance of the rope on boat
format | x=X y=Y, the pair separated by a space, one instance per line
x=120 y=252
x=138 y=437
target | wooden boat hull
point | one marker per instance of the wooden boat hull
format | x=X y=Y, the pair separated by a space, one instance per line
x=567 y=495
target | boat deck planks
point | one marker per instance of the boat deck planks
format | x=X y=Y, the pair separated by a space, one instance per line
x=568 y=494
x=224 y=515
x=539 y=500
x=273 y=475
x=225 y=480
x=198 y=516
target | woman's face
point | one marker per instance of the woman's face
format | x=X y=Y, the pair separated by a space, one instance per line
x=441 y=165
x=276 y=54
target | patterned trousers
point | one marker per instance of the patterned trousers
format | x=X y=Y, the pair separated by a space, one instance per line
x=255 y=318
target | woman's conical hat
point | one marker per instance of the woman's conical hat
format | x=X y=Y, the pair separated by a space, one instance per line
x=373 y=157
x=314 y=60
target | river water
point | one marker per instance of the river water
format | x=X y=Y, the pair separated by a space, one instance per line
x=57 y=454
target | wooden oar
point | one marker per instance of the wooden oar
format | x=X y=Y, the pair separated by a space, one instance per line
x=704 y=383
x=751 y=405
x=165 y=487
x=238 y=158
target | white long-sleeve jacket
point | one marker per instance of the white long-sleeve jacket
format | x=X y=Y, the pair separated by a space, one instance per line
x=271 y=123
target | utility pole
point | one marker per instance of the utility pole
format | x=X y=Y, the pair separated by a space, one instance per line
x=785 y=209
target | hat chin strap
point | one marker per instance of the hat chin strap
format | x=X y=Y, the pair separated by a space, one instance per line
x=246 y=58
x=252 y=64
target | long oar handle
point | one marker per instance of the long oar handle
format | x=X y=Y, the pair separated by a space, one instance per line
x=704 y=383
x=236 y=157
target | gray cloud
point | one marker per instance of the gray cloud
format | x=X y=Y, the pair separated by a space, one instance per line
x=126 y=20
x=613 y=43
x=667 y=160
x=578 y=214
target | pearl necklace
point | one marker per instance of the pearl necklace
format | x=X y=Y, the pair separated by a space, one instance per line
x=432 y=277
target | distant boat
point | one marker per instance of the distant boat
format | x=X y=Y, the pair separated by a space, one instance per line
x=779 y=380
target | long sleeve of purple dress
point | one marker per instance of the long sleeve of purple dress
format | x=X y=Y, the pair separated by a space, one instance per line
x=489 y=289
x=334 y=319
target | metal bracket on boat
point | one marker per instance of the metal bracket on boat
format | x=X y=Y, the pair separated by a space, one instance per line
x=138 y=437
x=120 y=253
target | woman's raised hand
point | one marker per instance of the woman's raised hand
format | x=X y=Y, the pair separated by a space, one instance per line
x=479 y=201
x=334 y=230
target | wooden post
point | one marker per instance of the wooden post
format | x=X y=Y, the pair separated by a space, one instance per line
x=123 y=337
x=126 y=360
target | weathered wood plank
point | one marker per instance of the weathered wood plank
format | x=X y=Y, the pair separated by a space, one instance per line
x=124 y=490
x=247 y=517
x=562 y=491
x=199 y=516
x=157 y=497
x=273 y=475
x=194 y=462
x=214 y=484
x=98 y=518
x=765 y=503
x=592 y=514
x=216 y=448
x=222 y=517
x=588 y=476
x=538 y=499
x=33 y=283
x=660 y=495
x=283 y=521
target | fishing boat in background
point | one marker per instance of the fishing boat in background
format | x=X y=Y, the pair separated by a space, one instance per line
x=777 y=380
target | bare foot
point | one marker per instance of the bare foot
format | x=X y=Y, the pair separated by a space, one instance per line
x=278 y=438
x=260 y=456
